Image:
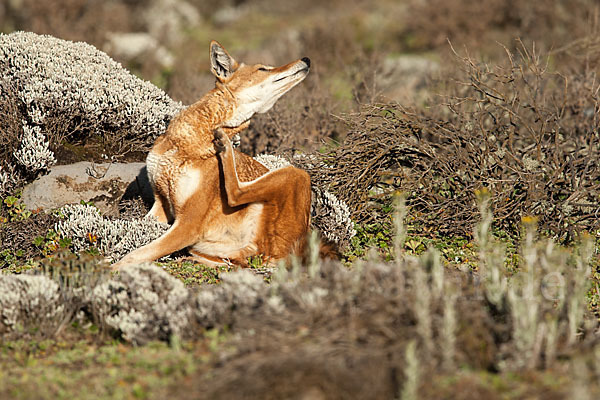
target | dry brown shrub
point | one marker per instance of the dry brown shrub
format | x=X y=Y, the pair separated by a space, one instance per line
x=11 y=116
x=78 y=20
x=347 y=344
x=428 y=24
x=528 y=135
x=301 y=120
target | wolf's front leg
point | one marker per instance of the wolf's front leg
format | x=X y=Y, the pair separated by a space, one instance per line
x=159 y=210
x=176 y=238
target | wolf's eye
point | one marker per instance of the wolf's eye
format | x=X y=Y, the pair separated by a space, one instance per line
x=262 y=69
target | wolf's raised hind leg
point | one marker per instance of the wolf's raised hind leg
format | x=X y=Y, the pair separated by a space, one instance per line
x=277 y=184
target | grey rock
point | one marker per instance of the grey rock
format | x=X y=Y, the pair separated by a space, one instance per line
x=103 y=184
x=167 y=20
x=138 y=46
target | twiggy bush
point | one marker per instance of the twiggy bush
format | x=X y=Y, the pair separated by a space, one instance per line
x=529 y=135
x=429 y=24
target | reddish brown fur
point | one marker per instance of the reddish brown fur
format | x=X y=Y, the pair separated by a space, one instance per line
x=185 y=156
x=285 y=194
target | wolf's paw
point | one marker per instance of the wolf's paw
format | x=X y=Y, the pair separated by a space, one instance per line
x=221 y=141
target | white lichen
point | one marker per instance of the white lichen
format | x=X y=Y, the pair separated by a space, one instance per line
x=114 y=238
x=34 y=153
x=144 y=303
x=74 y=79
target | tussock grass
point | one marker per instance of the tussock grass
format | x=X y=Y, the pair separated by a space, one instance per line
x=375 y=329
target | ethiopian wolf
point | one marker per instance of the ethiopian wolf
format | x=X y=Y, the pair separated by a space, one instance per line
x=225 y=206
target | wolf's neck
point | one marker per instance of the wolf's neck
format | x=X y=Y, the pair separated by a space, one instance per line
x=192 y=130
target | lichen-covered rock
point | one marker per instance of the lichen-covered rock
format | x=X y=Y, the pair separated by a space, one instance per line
x=102 y=184
x=144 y=303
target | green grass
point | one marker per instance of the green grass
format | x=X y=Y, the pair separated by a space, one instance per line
x=88 y=370
x=83 y=363
x=194 y=274
x=473 y=384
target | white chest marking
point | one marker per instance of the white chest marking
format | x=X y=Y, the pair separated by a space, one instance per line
x=187 y=184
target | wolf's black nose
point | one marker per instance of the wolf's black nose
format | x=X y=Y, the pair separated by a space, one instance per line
x=306 y=60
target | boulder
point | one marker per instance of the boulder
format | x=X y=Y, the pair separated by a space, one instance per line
x=103 y=184
x=138 y=46
x=167 y=20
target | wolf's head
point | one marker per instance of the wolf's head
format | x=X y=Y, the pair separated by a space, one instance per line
x=257 y=87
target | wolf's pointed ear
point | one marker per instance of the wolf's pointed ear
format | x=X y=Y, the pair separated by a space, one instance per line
x=222 y=65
